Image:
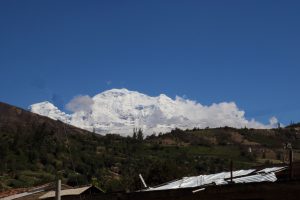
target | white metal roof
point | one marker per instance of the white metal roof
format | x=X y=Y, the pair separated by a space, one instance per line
x=240 y=176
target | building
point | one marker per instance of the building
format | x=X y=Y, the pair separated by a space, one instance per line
x=80 y=193
x=32 y=193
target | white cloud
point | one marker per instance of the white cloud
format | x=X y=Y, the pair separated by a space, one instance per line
x=274 y=122
x=80 y=103
x=215 y=115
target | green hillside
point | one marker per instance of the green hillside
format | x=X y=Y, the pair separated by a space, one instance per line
x=35 y=150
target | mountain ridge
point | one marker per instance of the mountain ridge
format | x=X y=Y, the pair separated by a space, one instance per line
x=121 y=110
x=15 y=119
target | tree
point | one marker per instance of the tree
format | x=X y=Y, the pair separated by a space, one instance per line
x=134 y=136
x=140 y=135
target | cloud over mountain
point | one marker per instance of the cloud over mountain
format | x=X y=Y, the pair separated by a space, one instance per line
x=80 y=103
x=120 y=110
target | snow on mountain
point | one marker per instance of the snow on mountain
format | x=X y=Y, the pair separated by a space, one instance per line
x=121 y=110
x=49 y=110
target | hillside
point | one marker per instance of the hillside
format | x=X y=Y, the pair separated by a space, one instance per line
x=35 y=149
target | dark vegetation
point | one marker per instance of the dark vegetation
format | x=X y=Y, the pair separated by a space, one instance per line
x=35 y=150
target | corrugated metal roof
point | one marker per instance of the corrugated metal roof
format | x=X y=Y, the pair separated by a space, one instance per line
x=75 y=191
x=240 y=176
x=271 y=177
x=18 y=193
x=272 y=169
x=16 y=196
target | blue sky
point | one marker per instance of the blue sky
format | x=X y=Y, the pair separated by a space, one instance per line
x=209 y=51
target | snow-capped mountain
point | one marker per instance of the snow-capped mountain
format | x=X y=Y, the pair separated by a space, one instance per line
x=121 y=110
x=48 y=109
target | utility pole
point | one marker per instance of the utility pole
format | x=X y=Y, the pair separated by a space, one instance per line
x=291 y=164
x=58 y=189
x=231 y=169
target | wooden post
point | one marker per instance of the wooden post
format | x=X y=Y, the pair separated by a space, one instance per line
x=58 y=189
x=291 y=164
x=143 y=181
x=231 y=169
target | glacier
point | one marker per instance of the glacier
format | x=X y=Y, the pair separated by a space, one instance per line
x=118 y=111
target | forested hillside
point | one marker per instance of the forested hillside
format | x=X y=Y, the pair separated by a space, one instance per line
x=36 y=149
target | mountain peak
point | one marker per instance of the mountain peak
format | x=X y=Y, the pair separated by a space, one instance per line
x=116 y=90
x=121 y=110
x=44 y=104
x=123 y=90
x=46 y=108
